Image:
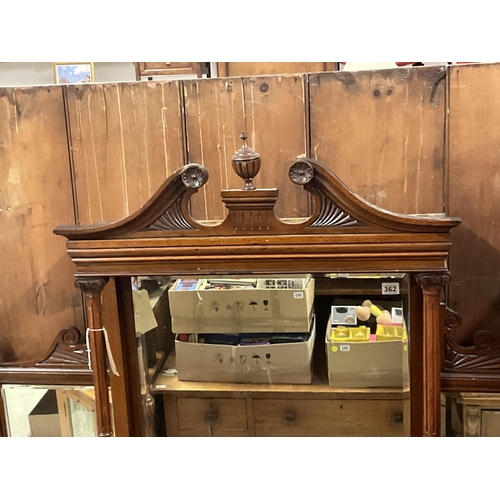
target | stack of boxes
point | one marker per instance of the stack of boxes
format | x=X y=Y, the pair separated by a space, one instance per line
x=256 y=329
x=359 y=357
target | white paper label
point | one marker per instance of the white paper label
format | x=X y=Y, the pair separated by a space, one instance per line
x=345 y=348
x=390 y=288
x=298 y=295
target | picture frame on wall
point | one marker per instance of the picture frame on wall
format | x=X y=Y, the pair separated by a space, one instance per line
x=71 y=73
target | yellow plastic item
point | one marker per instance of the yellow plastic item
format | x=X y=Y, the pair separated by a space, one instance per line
x=359 y=334
x=388 y=332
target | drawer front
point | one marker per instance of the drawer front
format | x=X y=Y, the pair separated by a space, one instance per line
x=212 y=417
x=290 y=417
x=166 y=65
x=169 y=68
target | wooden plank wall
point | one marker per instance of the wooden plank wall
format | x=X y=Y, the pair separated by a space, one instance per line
x=384 y=133
x=125 y=139
x=218 y=110
x=474 y=195
x=37 y=297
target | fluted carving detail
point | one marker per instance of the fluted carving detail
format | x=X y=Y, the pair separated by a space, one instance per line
x=330 y=215
x=69 y=348
x=172 y=219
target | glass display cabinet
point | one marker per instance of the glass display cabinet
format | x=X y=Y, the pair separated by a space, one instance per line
x=169 y=303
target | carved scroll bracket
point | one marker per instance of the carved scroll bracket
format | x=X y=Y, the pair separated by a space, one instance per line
x=481 y=357
x=69 y=348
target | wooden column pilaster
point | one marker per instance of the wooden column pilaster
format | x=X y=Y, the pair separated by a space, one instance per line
x=432 y=287
x=3 y=417
x=91 y=288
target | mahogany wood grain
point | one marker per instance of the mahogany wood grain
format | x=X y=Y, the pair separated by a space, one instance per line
x=111 y=321
x=382 y=132
x=125 y=337
x=417 y=360
x=91 y=289
x=474 y=195
x=45 y=376
x=36 y=294
x=432 y=289
x=339 y=235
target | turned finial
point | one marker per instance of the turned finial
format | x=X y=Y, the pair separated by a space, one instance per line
x=246 y=163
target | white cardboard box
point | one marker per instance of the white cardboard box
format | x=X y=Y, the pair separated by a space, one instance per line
x=367 y=364
x=237 y=311
x=259 y=364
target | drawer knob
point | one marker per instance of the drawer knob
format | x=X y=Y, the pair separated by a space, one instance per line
x=397 y=420
x=167 y=64
x=211 y=417
x=289 y=417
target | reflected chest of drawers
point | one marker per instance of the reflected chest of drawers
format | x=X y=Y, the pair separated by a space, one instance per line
x=201 y=409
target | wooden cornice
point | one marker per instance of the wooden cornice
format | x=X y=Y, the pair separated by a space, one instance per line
x=337 y=210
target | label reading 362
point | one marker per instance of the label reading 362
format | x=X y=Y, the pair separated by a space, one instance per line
x=390 y=288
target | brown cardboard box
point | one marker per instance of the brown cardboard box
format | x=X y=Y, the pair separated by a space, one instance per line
x=44 y=418
x=367 y=364
x=259 y=364
x=243 y=311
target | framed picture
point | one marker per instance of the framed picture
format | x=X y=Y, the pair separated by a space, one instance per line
x=65 y=73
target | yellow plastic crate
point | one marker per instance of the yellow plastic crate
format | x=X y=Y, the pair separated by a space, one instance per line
x=388 y=332
x=359 y=334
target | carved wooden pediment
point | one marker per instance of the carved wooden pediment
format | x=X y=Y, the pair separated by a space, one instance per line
x=336 y=210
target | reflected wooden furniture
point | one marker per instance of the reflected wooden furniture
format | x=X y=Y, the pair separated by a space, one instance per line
x=222 y=410
x=166 y=69
x=271 y=68
x=72 y=400
x=344 y=234
x=474 y=415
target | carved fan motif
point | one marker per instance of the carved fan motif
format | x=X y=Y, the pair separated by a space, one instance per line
x=456 y=361
x=172 y=219
x=331 y=215
x=68 y=349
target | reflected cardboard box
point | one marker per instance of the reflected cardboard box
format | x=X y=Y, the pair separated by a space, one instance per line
x=360 y=361
x=44 y=419
x=284 y=363
x=242 y=305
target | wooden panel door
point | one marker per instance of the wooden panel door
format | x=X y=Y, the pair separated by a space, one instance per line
x=382 y=133
x=37 y=297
